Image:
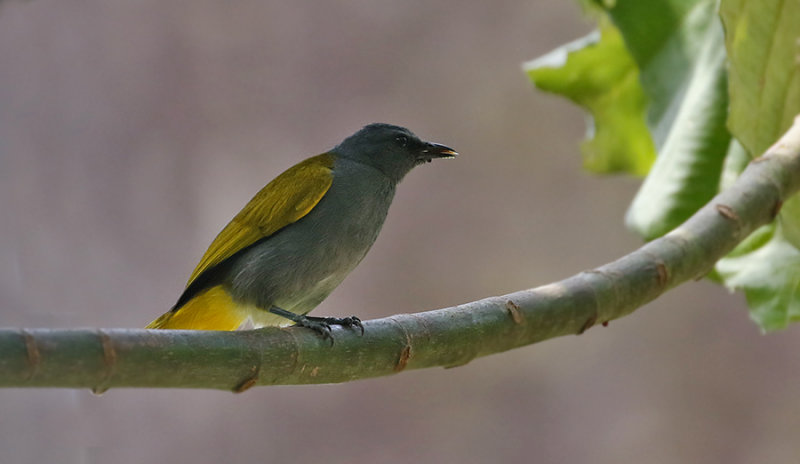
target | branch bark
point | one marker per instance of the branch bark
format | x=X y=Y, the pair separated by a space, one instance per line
x=102 y=359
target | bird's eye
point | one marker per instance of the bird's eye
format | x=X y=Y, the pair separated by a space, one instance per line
x=402 y=140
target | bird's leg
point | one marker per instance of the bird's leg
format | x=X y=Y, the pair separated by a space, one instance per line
x=321 y=325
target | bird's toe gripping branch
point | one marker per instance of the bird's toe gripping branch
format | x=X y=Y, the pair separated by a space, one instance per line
x=321 y=325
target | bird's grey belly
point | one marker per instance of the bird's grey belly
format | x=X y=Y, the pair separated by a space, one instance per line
x=300 y=265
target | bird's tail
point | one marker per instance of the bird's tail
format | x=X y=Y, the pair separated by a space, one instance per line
x=161 y=323
x=213 y=309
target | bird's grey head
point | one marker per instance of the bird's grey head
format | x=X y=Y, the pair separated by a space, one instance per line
x=393 y=150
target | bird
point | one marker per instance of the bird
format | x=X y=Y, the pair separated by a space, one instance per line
x=298 y=238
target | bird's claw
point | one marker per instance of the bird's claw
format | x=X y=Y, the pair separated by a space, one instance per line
x=322 y=325
x=349 y=322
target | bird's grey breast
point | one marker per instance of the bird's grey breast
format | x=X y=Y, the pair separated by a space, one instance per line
x=298 y=266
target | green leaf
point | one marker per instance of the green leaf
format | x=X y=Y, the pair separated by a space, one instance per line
x=762 y=42
x=661 y=88
x=663 y=36
x=735 y=162
x=597 y=73
x=767 y=268
x=764 y=48
x=678 y=45
x=788 y=219
x=695 y=99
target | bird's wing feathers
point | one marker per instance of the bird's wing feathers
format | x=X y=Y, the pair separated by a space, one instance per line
x=285 y=200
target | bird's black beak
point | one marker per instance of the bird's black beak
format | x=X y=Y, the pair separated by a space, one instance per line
x=435 y=150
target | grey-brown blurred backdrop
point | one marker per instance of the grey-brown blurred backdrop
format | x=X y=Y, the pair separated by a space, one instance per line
x=132 y=131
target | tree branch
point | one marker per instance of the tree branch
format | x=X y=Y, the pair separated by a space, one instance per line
x=102 y=359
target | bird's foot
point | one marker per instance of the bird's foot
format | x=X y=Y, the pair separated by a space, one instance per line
x=321 y=325
x=349 y=322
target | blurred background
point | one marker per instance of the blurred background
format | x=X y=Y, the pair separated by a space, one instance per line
x=131 y=132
